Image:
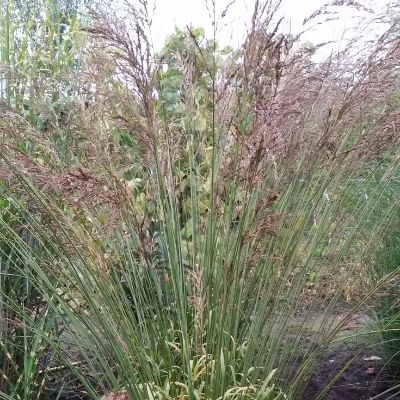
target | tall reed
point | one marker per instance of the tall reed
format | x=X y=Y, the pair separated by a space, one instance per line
x=178 y=269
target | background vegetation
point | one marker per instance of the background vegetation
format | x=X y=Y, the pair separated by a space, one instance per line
x=174 y=224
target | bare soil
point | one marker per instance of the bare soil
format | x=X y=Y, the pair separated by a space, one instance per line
x=363 y=379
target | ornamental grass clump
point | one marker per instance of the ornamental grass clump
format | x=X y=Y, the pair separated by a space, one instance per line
x=201 y=189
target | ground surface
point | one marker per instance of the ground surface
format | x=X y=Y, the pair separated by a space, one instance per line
x=362 y=380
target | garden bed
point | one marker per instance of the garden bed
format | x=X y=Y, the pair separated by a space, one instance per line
x=364 y=379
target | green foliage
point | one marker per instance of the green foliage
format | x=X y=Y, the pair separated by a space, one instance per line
x=40 y=42
x=387 y=312
x=26 y=321
x=39 y=46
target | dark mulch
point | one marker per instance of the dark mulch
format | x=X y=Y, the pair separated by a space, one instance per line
x=362 y=380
